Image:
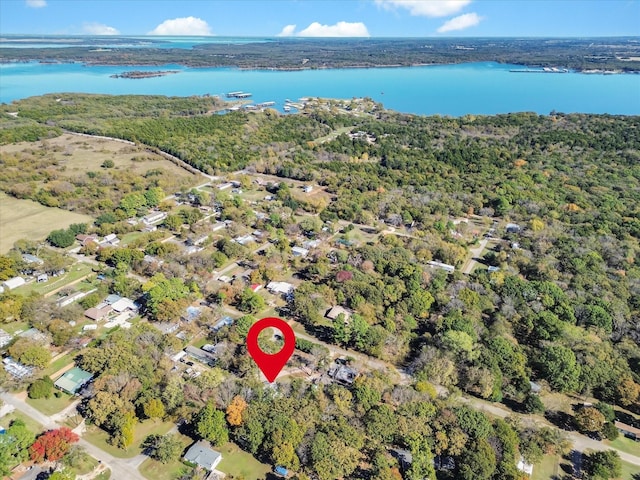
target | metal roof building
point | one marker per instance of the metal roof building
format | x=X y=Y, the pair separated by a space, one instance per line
x=73 y=380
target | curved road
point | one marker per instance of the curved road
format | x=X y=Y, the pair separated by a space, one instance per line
x=121 y=468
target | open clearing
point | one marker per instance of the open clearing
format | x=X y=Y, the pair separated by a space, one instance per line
x=30 y=220
x=77 y=154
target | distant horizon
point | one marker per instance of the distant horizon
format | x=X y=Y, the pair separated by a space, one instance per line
x=386 y=37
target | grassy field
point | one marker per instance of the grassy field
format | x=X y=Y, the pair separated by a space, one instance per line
x=239 y=463
x=52 y=405
x=75 y=272
x=26 y=219
x=547 y=468
x=625 y=445
x=99 y=437
x=78 y=154
x=630 y=472
x=28 y=421
x=154 y=470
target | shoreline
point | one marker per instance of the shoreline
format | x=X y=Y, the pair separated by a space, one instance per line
x=143 y=74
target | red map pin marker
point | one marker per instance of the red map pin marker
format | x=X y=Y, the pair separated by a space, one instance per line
x=271 y=365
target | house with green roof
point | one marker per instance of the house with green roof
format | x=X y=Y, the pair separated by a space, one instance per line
x=73 y=380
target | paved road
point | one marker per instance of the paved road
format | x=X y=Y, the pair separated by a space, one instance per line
x=580 y=442
x=475 y=253
x=121 y=468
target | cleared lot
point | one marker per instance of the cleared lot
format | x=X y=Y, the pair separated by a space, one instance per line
x=30 y=220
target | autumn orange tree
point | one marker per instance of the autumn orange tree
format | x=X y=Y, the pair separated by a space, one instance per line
x=234 y=411
x=52 y=445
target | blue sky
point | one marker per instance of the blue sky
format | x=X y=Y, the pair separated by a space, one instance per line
x=375 y=18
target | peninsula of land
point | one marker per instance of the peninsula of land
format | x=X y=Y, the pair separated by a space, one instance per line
x=620 y=54
x=141 y=74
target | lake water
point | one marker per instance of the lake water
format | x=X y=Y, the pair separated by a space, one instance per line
x=477 y=88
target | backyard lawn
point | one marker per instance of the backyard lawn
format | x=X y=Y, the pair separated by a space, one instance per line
x=99 y=437
x=239 y=463
x=154 y=470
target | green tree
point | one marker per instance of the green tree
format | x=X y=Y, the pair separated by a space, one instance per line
x=154 y=408
x=164 y=448
x=250 y=301
x=533 y=404
x=41 y=388
x=61 y=238
x=14 y=445
x=26 y=351
x=603 y=465
x=211 y=425
x=133 y=203
x=478 y=463
x=559 y=366
x=154 y=196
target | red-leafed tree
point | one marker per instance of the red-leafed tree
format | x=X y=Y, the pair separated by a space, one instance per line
x=343 y=276
x=52 y=445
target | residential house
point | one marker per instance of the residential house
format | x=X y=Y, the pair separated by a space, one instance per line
x=282 y=288
x=5 y=338
x=73 y=380
x=154 y=217
x=167 y=327
x=628 y=431
x=442 y=266
x=110 y=240
x=202 y=455
x=243 y=240
x=86 y=239
x=16 y=369
x=223 y=322
x=124 y=304
x=336 y=311
x=28 y=258
x=207 y=358
x=310 y=244
x=97 y=314
x=513 y=228
x=343 y=374
x=69 y=299
x=34 y=334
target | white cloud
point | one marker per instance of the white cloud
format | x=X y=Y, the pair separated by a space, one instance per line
x=460 y=23
x=95 y=28
x=340 y=29
x=287 y=31
x=36 y=3
x=426 y=8
x=182 y=26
